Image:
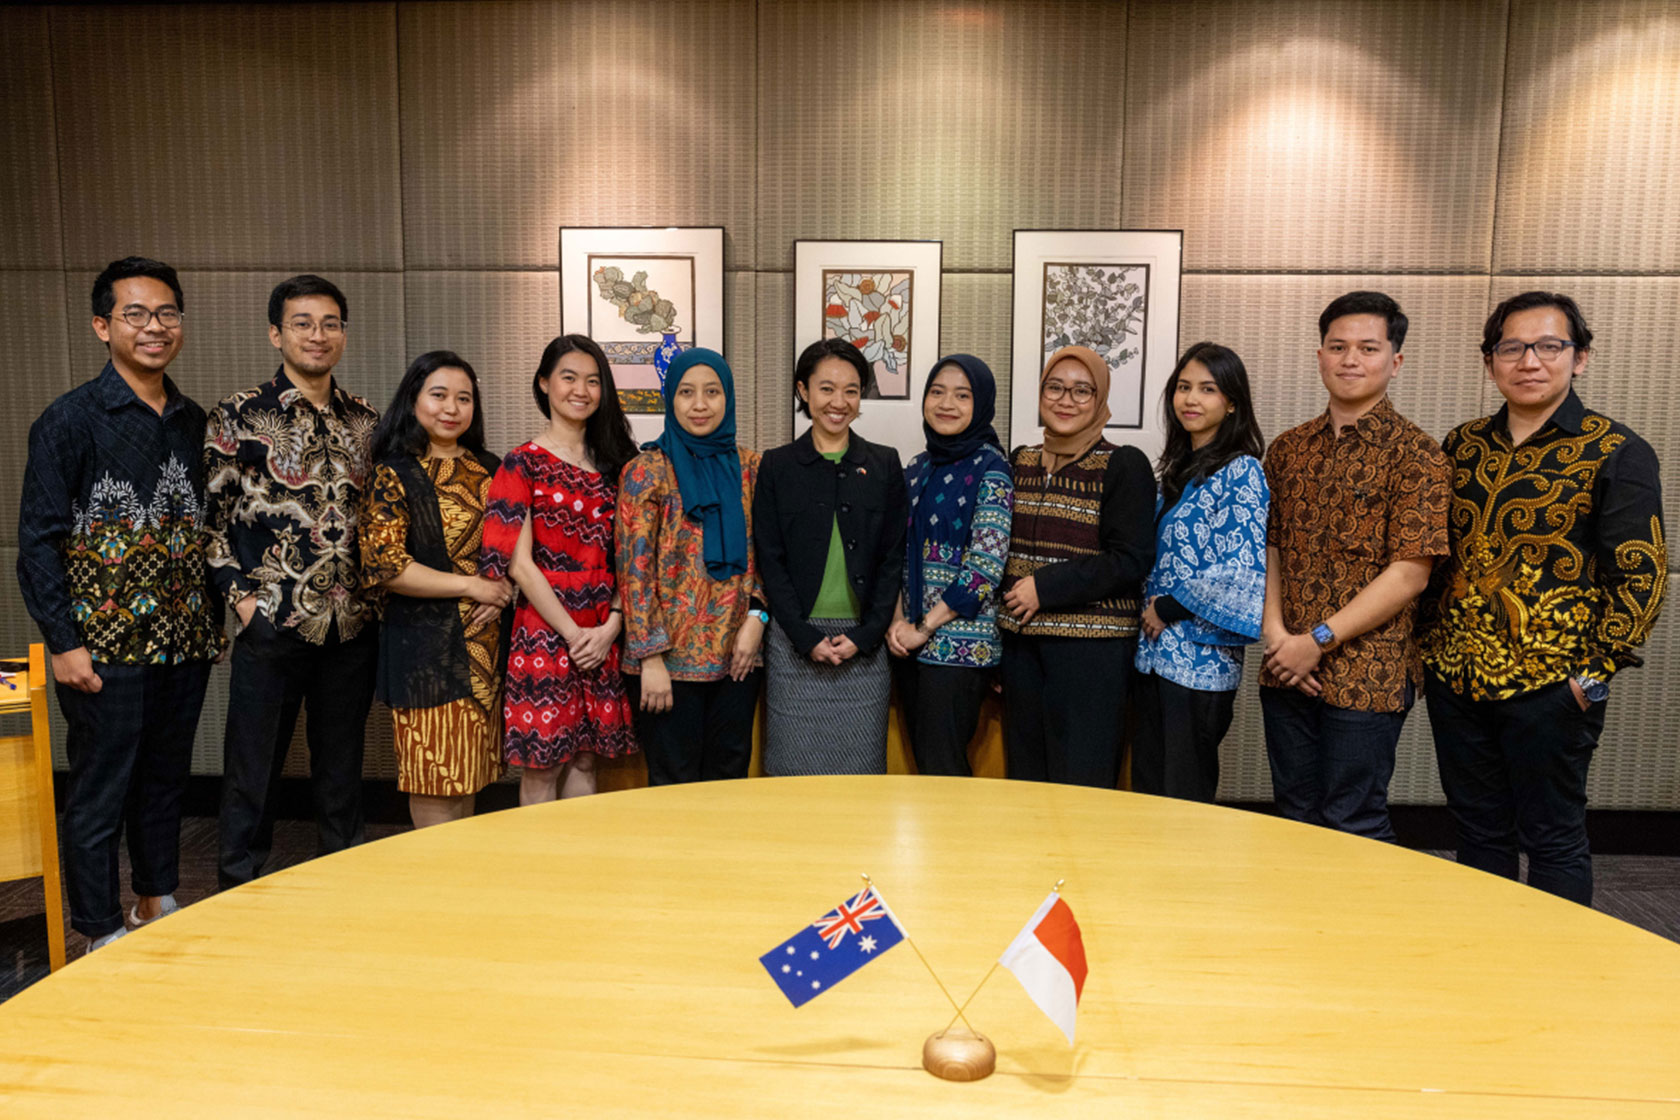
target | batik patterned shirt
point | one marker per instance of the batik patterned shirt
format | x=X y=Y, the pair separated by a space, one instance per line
x=1210 y=556
x=110 y=532
x=284 y=482
x=1558 y=562
x=1345 y=505
x=964 y=575
x=672 y=605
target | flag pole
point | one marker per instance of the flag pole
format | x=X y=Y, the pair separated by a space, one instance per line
x=1057 y=889
x=907 y=940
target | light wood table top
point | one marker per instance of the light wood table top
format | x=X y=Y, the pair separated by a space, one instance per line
x=599 y=958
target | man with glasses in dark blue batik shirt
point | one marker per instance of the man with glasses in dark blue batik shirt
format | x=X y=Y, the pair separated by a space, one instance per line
x=1554 y=580
x=111 y=561
x=285 y=466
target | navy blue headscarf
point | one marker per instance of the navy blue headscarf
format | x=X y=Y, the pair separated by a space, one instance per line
x=942 y=501
x=708 y=469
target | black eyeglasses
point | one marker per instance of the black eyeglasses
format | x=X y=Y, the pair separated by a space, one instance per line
x=1546 y=349
x=1081 y=392
x=137 y=317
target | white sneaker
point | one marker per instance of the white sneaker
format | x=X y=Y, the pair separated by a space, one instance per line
x=169 y=906
x=101 y=942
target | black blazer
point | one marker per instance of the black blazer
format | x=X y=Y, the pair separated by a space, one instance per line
x=800 y=495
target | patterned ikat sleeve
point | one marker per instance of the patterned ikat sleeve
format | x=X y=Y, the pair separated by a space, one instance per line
x=1417 y=522
x=504 y=516
x=976 y=584
x=1229 y=591
x=222 y=488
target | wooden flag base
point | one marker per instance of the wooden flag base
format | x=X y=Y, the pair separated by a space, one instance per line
x=957 y=1055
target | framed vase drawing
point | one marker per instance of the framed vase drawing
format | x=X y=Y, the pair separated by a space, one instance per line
x=644 y=294
x=883 y=296
x=1115 y=291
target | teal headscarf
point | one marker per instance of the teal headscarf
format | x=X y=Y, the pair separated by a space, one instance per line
x=708 y=469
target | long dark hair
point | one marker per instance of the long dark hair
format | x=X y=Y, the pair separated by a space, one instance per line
x=606 y=433
x=1239 y=434
x=399 y=433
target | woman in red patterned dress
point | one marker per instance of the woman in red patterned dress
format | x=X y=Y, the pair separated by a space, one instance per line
x=549 y=524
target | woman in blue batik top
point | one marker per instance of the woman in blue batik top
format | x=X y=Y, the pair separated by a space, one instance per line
x=944 y=633
x=1202 y=600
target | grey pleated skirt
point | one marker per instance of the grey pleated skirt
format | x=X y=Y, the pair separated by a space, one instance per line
x=824 y=719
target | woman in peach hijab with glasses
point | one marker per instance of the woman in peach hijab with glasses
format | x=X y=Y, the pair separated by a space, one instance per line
x=1082 y=541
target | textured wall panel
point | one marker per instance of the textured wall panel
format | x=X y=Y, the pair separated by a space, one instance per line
x=227 y=349
x=1636 y=765
x=773 y=383
x=1591 y=141
x=1272 y=322
x=976 y=313
x=498 y=321
x=1631 y=320
x=267 y=134
x=740 y=329
x=1310 y=135
x=521 y=118
x=35 y=304
x=926 y=120
x=29 y=219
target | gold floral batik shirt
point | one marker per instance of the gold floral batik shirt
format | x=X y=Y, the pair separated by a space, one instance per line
x=1558 y=561
x=284 y=482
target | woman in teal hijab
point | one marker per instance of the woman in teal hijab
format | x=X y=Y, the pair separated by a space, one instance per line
x=694 y=611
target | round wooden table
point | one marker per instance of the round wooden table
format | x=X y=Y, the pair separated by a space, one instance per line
x=599 y=958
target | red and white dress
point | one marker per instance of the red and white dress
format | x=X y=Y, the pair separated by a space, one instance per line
x=554 y=710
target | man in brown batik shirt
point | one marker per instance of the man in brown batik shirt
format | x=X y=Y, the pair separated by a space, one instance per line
x=1359 y=513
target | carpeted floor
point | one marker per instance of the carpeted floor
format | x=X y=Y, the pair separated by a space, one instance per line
x=1641 y=890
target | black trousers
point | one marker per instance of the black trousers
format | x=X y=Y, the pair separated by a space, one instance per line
x=1175 y=749
x=275 y=673
x=1331 y=766
x=1064 y=703
x=941 y=706
x=130 y=747
x=707 y=734
x=1515 y=775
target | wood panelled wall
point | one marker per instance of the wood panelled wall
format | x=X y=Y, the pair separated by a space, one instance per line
x=424 y=156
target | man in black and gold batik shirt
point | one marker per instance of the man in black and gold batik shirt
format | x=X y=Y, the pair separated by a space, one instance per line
x=286 y=463
x=111 y=563
x=1555 y=578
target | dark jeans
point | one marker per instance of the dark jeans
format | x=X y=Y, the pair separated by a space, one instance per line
x=274 y=674
x=941 y=706
x=707 y=734
x=1175 y=750
x=1064 y=706
x=130 y=747
x=1330 y=766
x=1515 y=775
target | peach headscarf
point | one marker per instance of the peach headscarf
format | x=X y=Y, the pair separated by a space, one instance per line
x=1059 y=451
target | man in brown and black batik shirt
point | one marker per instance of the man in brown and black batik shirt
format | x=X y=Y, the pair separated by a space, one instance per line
x=1556 y=576
x=1359 y=513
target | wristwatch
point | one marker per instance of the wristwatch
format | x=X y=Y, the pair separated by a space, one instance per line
x=1593 y=689
x=1323 y=635
x=763 y=616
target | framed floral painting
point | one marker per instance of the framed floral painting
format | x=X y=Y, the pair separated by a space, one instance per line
x=883 y=297
x=644 y=294
x=1115 y=291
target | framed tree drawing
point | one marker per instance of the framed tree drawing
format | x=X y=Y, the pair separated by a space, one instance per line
x=1116 y=291
x=644 y=294
x=883 y=296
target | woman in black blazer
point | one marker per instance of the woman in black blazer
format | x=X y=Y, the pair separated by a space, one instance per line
x=829 y=520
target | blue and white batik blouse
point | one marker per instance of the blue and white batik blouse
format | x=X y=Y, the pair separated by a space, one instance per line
x=1210 y=555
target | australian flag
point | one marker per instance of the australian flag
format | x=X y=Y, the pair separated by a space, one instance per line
x=833 y=947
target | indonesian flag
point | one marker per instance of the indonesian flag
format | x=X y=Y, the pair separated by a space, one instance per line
x=1048 y=958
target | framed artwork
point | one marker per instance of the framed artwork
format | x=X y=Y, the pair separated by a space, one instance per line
x=645 y=294
x=1115 y=291
x=884 y=297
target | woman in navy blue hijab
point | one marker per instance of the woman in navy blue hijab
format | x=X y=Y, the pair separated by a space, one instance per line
x=944 y=634
x=694 y=613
